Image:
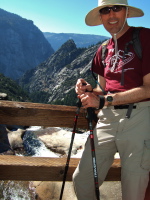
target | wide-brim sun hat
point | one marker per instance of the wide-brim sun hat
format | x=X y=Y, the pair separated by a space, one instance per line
x=93 y=17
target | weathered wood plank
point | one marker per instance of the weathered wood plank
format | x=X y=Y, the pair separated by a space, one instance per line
x=36 y=114
x=44 y=169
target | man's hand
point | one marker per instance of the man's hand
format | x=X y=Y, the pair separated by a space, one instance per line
x=89 y=99
x=82 y=86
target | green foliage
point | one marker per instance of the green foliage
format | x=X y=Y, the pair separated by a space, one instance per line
x=12 y=89
x=39 y=97
x=70 y=99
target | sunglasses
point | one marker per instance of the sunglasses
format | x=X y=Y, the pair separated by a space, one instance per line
x=106 y=10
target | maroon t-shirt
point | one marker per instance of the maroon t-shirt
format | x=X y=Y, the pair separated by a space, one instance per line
x=134 y=68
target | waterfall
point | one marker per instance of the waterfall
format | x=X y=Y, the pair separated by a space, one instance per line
x=33 y=146
x=20 y=190
x=16 y=190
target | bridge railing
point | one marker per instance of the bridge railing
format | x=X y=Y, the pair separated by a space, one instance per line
x=39 y=168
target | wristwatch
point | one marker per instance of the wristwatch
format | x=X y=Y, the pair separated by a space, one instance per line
x=109 y=99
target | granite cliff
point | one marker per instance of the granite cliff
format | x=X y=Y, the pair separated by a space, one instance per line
x=22 y=45
x=56 y=77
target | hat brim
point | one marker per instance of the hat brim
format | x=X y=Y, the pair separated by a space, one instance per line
x=93 y=17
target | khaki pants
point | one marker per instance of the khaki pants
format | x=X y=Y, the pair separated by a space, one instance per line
x=131 y=138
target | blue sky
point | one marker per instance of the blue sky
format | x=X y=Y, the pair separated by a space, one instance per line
x=67 y=16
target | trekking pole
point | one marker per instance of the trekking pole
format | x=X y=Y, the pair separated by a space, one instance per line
x=70 y=148
x=90 y=117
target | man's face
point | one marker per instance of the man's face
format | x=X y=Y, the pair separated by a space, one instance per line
x=114 y=21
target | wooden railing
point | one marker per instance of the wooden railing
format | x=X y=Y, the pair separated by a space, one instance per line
x=34 y=114
x=38 y=168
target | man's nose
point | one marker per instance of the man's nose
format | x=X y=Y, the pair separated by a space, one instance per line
x=112 y=13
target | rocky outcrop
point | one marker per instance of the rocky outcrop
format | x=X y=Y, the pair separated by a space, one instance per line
x=55 y=141
x=3 y=96
x=58 y=74
x=58 y=141
x=22 y=45
x=49 y=190
x=15 y=138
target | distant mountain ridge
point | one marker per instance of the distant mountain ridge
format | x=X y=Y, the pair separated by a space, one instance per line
x=81 y=40
x=22 y=45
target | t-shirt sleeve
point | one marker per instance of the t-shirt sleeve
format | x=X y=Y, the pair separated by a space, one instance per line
x=145 y=43
x=97 y=65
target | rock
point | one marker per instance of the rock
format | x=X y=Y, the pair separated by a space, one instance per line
x=50 y=190
x=4 y=142
x=59 y=141
x=3 y=96
x=15 y=138
x=9 y=152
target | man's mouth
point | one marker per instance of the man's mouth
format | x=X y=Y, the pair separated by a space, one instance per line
x=113 y=22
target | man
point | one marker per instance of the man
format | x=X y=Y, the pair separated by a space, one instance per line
x=124 y=115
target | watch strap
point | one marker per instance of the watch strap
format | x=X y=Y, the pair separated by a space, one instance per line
x=102 y=102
